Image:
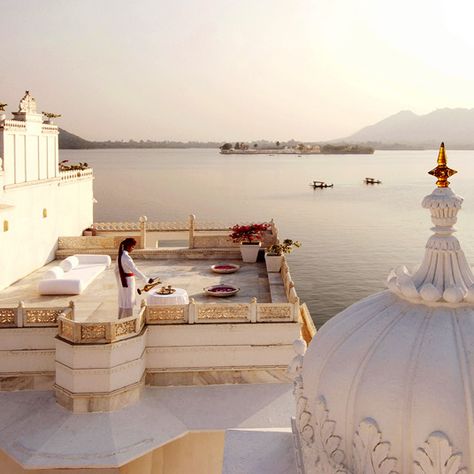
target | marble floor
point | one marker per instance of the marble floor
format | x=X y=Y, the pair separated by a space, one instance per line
x=38 y=433
x=98 y=302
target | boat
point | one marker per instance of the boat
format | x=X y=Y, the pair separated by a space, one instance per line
x=321 y=184
x=372 y=181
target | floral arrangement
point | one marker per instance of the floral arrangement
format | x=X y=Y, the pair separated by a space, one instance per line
x=247 y=234
x=285 y=247
x=63 y=166
x=50 y=115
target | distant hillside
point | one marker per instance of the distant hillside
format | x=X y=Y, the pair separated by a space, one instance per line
x=69 y=141
x=408 y=130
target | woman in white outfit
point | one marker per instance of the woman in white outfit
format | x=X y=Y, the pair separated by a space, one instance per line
x=126 y=271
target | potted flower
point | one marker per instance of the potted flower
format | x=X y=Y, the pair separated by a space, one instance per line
x=249 y=237
x=50 y=117
x=89 y=232
x=3 y=115
x=274 y=254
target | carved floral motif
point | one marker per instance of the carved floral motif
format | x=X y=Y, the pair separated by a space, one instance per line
x=371 y=455
x=329 y=456
x=127 y=327
x=274 y=312
x=320 y=445
x=224 y=312
x=7 y=316
x=165 y=314
x=45 y=316
x=437 y=456
x=67 y=330
x=93 y=331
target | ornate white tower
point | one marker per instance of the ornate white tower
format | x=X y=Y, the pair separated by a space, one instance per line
x=38 y=202
x=387 y=385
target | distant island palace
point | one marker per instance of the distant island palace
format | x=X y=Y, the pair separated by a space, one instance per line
x=193 y=384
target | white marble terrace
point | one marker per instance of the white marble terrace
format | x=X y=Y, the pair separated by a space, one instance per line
x=98 y=302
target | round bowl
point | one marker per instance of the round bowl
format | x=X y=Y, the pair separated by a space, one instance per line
x=225 y=268
x=221 y=291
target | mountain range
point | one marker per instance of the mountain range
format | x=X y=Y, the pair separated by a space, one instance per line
x=408 y=130
x=404 y=130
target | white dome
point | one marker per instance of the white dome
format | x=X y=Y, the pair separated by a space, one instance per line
x=387 y=386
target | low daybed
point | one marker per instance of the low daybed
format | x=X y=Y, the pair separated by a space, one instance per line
x=73 y=275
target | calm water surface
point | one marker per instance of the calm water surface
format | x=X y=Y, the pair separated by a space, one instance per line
x=352 y=234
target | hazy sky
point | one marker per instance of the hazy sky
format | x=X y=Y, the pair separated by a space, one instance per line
x=235 y=70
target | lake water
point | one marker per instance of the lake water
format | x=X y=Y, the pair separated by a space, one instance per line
x=351 y=235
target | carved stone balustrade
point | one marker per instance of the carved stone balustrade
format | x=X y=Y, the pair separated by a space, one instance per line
x=85 y=332
x=39 y=316
x=200 y=232
x=193 y=313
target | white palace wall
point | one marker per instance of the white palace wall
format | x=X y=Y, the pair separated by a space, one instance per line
x=38 y=203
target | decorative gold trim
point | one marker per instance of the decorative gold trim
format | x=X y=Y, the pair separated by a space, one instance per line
x=93 y=332
x=165 y=314
x=274 y=312
x=127 y=327
x=223 y=312
x=42 y=316
x=67 y=330
x=7 y=316
x=442 y=172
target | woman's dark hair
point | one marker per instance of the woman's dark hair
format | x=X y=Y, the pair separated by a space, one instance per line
x=125 y=244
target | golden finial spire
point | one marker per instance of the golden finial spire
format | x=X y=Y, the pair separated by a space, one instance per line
x=442 y=172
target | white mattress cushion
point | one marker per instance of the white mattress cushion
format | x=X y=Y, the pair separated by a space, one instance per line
x=54 y=273
x=69 y=263
x=98 y=259
x=60 y=287
x=85 y=273
x=84 y=269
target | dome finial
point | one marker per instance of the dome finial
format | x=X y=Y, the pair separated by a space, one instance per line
x=442 y=172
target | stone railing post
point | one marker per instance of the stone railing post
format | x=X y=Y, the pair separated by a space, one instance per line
x=72 y=306
x=20 y=314
x=142 y=220
x=274 y=230
x=296 y=310
x=143 y=316
x=253 y=310
x=192 y=311
x=192 y=224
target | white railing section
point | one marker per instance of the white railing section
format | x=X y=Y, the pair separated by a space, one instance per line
x=193 y=313
x=192 y=227
x=14 y=124
x=288 y=283
x=100 y=332
x=49 y=128
x=70 y=175
x=171 y=226
x=33 y=316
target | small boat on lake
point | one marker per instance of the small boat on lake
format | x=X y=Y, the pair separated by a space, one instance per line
x=321 y=184
x=372 y=181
